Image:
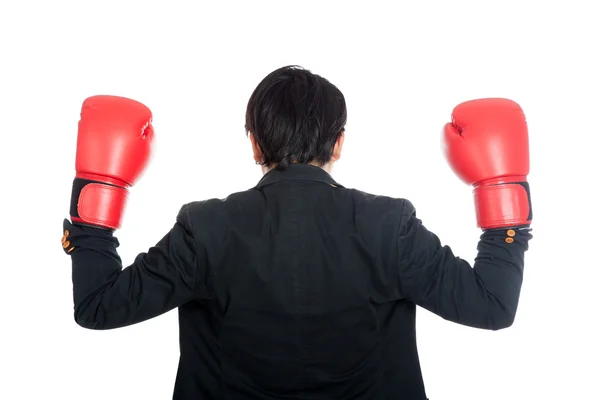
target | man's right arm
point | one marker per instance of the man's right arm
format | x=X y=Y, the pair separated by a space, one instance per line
x=487 y=146
x=484 y=296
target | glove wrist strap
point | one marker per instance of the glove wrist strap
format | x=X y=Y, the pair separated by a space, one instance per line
x=97 y=203
x=501 y=204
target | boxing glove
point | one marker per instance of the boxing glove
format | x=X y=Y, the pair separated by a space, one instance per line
x=114 y=144
x=487 y=146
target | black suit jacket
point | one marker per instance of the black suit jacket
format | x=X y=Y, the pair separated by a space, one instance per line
x=297 y=289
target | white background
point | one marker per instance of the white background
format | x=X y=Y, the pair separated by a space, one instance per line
x=402 y=66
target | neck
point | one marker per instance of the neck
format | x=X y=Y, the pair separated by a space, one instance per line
x=326 y=167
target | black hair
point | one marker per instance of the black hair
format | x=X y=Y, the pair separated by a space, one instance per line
x=296 y=116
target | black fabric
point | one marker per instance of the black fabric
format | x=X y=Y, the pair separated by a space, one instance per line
x=297 y=289
x=78 y=185
x=526 y=186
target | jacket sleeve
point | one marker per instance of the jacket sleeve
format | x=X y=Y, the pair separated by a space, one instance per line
x=107 y=296
x=485 y=295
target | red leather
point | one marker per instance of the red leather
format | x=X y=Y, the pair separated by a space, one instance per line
x=114 y=145
x=503 y=205
x=102 y=205
x=487 y=146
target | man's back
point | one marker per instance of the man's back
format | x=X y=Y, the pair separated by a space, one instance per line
x=301 y=295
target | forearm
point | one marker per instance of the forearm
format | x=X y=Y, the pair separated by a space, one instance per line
x=487 y=295
x=95 y=267
x=483 y=296
x=107 y=296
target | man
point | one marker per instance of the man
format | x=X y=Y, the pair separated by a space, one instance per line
x=298 y=288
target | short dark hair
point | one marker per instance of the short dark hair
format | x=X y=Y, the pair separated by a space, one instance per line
x=296 y=116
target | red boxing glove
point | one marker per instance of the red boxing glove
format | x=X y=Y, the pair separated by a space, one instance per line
x=114 y=144
x=487 y=146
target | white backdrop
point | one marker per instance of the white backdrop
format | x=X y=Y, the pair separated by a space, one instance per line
x=402 y=65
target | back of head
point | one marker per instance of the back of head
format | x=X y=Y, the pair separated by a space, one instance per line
x=296 y=117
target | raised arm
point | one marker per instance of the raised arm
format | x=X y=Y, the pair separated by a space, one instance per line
x=113 y=148
x=487 y=146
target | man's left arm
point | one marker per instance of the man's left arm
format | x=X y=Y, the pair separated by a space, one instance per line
x=108 y=296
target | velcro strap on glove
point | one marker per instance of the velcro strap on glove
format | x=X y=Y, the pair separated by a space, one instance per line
x=97 y=203
x=502 y=205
